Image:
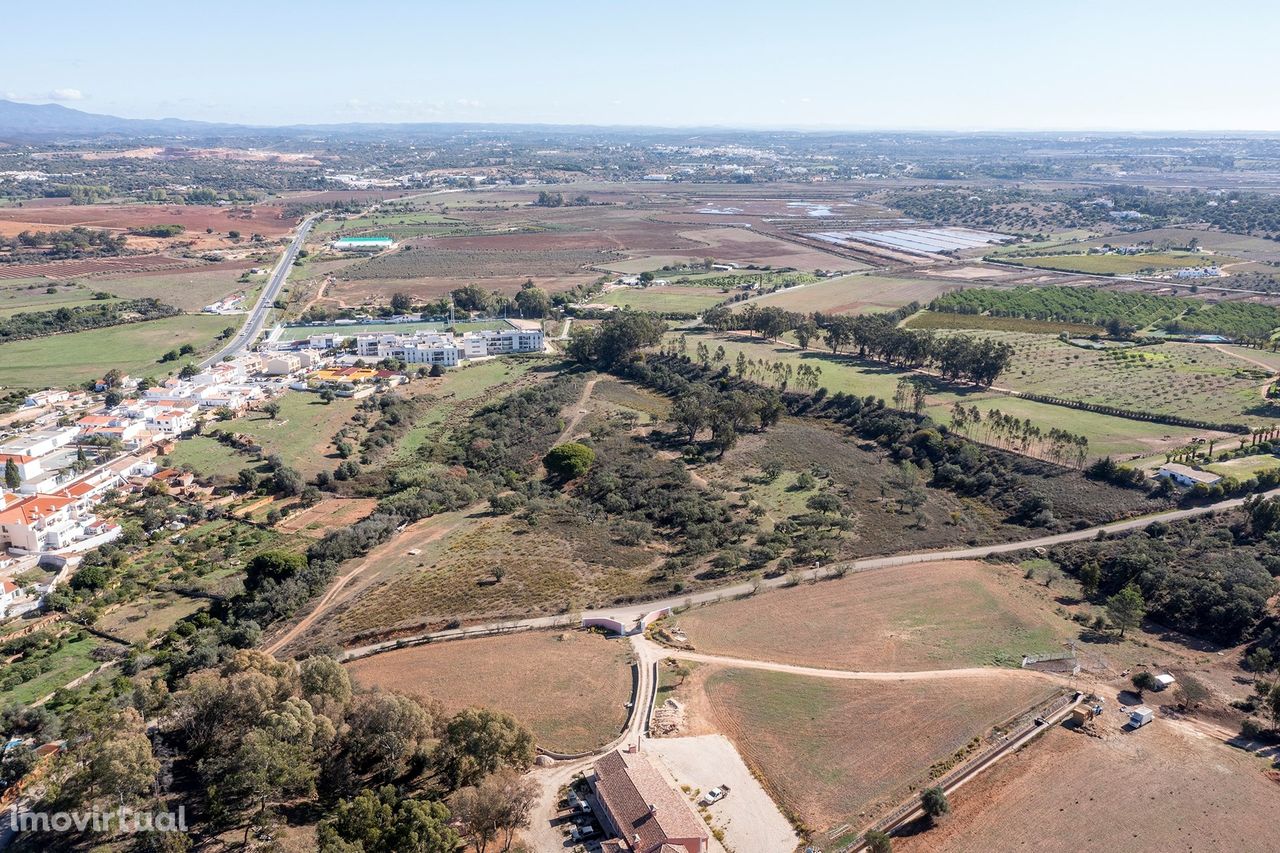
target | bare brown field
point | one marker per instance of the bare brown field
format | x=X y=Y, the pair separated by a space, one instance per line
x=856 y=294
x=196 y=218
x=318 y=520
x=838 y=753
x=99 y=266
x=570 y=688
x=1161 y=788
x=918 y=617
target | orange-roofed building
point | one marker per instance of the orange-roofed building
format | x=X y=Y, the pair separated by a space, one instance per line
x=41 y=523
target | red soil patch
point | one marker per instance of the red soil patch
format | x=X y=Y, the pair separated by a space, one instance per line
x=196 y=218
x=75 y=269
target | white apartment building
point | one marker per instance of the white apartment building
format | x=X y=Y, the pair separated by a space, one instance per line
x=446 y=349
x=39 y=443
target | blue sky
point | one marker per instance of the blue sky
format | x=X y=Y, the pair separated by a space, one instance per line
x=789 y=63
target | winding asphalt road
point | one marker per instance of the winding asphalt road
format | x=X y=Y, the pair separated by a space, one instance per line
x=253 y=326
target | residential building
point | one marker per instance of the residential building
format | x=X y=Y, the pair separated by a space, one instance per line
x=1185 y=475
x=328 y=340
x=447 y=349
x=47 y=398
x=10 y=592
x=642 y=809
x=41 y=442
x=281 y=364
x=41 y=523
x=29 y=467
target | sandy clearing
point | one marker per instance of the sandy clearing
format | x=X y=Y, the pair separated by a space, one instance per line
x=749 y=818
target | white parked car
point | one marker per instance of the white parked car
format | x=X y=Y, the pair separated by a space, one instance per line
x=715 y=795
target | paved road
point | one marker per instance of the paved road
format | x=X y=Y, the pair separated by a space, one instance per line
x=253 y=326
x=631 y=613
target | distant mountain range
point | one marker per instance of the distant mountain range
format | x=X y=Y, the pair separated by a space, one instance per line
x=18 y=120
x=30 y=121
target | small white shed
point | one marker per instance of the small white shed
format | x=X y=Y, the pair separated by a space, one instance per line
x=1164 y=681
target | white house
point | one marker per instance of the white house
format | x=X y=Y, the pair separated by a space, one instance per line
x=47 y=398
x=10 y=592
x=38 y=523
x=28 y=467
x=1185 y=475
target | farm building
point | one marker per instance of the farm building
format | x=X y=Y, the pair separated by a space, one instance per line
x=643 y=811
x=362 y=244
x=1185 y=475
x=1164 y=681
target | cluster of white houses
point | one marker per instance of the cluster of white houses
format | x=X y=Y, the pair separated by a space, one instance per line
x=446 y=349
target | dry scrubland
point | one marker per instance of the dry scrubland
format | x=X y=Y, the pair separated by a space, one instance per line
x=918 y=617
x=557 y=567
x=1162 y=788
x=840 y=752
x=570 y=688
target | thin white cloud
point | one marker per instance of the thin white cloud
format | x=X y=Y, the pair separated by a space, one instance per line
x=66 y=95
x=468 y=103
x=51 y=95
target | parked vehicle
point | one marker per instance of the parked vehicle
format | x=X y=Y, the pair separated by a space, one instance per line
x=578 y=833
x=715 y=795
x=1140 y=716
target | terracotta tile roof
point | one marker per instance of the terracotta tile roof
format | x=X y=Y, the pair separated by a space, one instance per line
x=27 y=510
x=8 y=587
x=18 y=458
x=644 y=807
x=78 y=490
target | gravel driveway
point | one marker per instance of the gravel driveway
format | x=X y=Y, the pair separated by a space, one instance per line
x=749 y=818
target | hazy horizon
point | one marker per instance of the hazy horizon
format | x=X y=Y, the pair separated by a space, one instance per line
x=822 y=66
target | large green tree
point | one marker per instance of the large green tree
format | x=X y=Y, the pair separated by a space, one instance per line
x=1126 y=608
x=382 y=821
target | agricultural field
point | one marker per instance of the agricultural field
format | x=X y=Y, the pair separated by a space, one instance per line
x=685 y=300
x=888 y=734
x=439 y=260
x=857 y=294
x=918 y=617
x=134 y=348
x=189 y=290
x=1108 y=435
x=571 y=688
x=35 y=296
x=1163 y=787
x=986 y=323
x=1244 y=246
x=1188 y=380
x=1119 y=264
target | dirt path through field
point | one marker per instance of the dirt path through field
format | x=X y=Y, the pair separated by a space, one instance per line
x=656 y=650
x=416 y=535
x=579 y=410
x=1265 y=386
